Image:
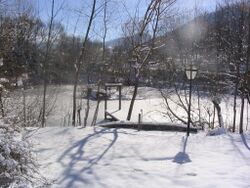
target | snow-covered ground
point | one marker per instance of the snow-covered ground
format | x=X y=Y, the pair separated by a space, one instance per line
x=114 y=158
x=101 y=157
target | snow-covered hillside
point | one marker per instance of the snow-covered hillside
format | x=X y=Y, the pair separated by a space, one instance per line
x=99 y=157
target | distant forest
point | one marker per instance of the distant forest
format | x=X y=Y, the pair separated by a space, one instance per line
x=217 y=43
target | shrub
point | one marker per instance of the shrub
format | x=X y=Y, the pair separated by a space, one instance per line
x=16 y=160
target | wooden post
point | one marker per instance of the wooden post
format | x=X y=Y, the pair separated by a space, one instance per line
x=140 y=116
x=139 y=121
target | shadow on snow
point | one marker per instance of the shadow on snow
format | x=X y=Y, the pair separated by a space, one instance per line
x=77 y=152
x=244 y=141
x=78 y=172
x=181 y=157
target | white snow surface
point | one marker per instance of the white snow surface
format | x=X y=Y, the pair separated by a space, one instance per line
x=121 y=158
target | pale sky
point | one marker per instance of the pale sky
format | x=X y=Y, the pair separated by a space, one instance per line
x=75 y=11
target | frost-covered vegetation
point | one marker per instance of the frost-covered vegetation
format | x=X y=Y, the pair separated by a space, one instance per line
x=17 y=163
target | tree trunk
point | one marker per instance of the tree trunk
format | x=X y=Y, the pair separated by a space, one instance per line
x=87 y=107
x=44 y=102
x=248 y=43
x=79 y=116
x=199 y=106
x=238 y=62
x=242 y=114
x=48 y=44
x=1 y=104
x=218 y=108
x=247 y=117
x=80 y=62
x=74 y=99
x=234 y=108
x=103 y=60
x=24 y=106
x=97 y=106
x=213 y=117
x=133 y=99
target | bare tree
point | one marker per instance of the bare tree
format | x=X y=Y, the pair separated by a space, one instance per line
x=103 y=60
x=79 y=62
x=142 y=47
x=46 y=57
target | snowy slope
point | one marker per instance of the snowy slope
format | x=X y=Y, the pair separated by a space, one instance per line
x=88 y=157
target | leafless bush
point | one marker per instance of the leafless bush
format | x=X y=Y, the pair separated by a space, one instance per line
x=26 y=105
